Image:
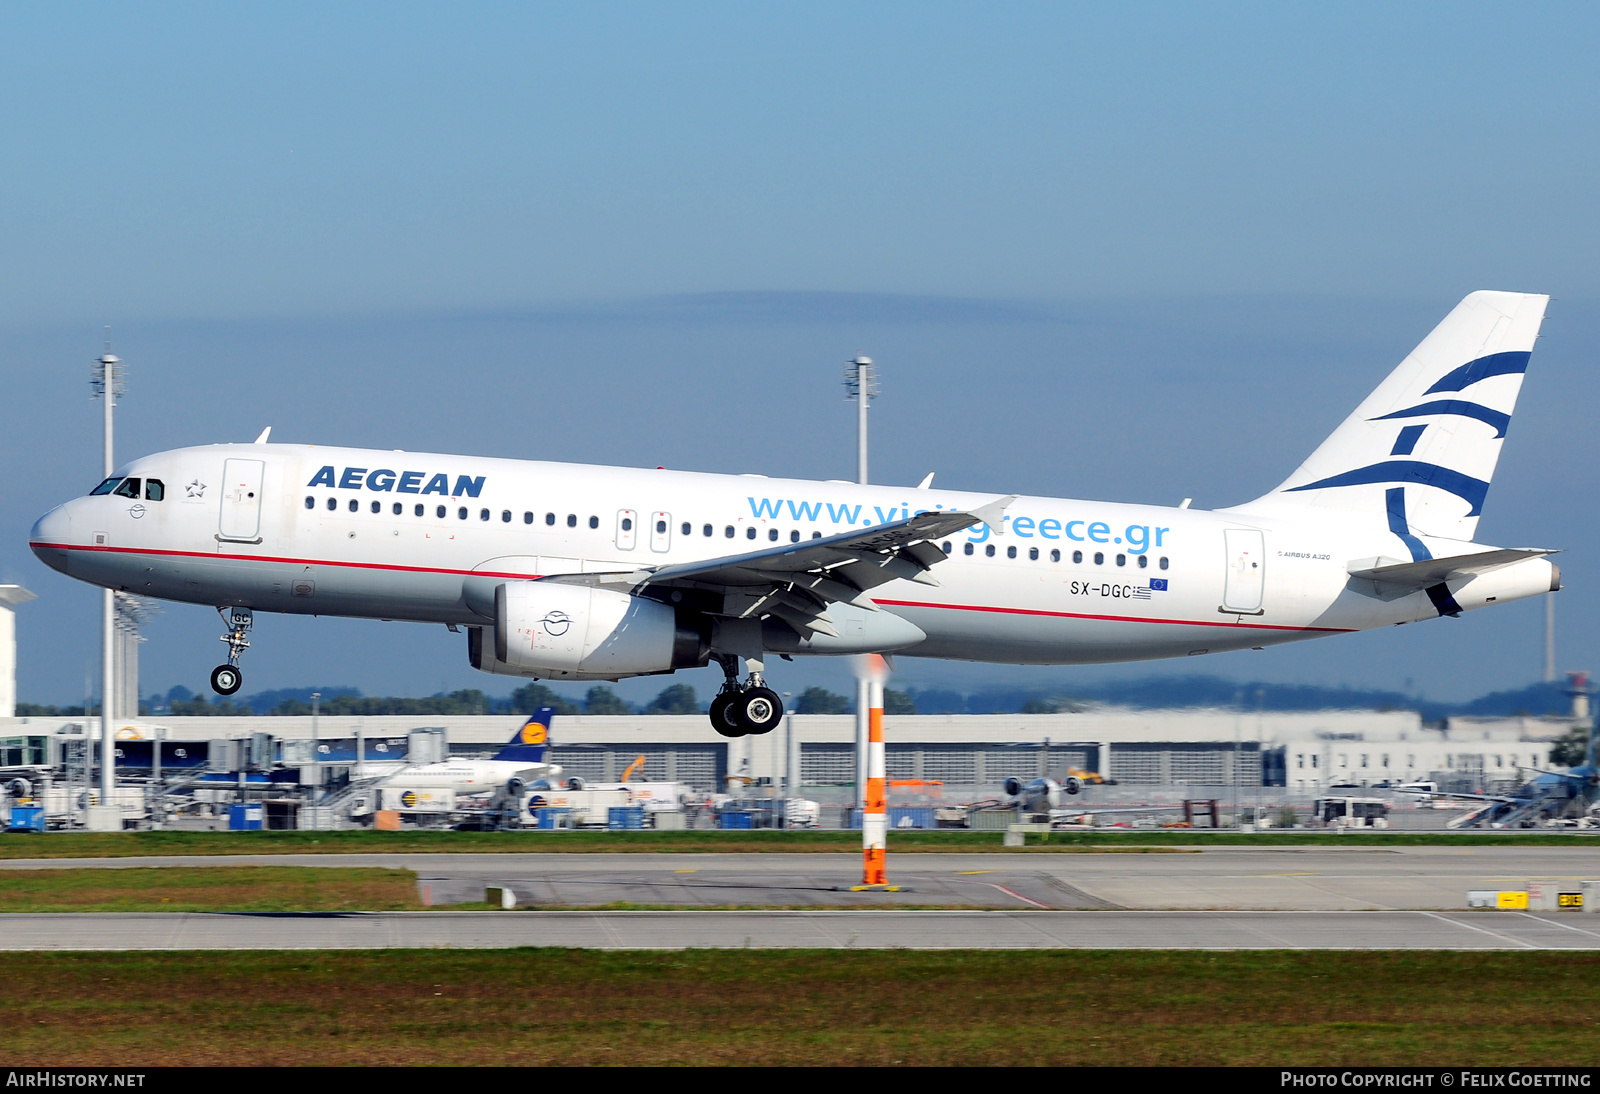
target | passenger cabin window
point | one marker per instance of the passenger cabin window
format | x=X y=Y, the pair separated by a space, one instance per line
x=727 y=532
x=461 y=513
x=1143 y=562
x=1011 y=552
x=749 y=533
x=333 y=503
x=945 y=547
x=398 y=509
x=967 y=548
x=128 y=489
x=354 y=506
x=1163 y=562
x=311 y=503
x=706 y=531
x=527 y=518
x=627 y=524
x=989 y=550
x=794 y=536
x=772 y=534
x=439 y=512
x=594 y=522
x=1033 y=553
x=1122 y=560
x=572 y=520
x=1055 y=555
x=661 y=527
x=1099 y=558
x=419 y=510
x=686 y=529
x=549 y=518
x=483 y=514
x=1077 y=557
x=154 y=490
x=104 y=488
x=377 y=507
x=505 y=516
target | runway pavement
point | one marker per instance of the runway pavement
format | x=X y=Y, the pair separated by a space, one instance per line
x=886 y=929
x=1280 y=878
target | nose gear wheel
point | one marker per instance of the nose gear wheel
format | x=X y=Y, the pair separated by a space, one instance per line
x=226 y=679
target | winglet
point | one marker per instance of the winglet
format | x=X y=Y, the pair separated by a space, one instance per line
x=265 y=433
x=926 y=482
x=993 y=514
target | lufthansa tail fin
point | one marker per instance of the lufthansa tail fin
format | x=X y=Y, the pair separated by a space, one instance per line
x=1420 y=451
x=531 y=740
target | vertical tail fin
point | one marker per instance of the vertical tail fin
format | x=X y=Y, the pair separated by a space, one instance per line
x=531 y=740
x=1420 y=451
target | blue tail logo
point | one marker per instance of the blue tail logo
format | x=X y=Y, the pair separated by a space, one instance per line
x=532 y=738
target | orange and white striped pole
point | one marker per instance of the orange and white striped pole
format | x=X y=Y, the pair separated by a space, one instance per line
x=875 y=808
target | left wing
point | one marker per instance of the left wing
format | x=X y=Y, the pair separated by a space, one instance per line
x=796 y=581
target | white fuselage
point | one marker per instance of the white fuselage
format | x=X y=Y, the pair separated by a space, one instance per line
x=468 y=776
x=420 y=536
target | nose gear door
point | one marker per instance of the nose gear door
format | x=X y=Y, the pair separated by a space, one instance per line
x=241 y=501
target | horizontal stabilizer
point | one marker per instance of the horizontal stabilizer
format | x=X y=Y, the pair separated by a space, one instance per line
x=1420 y=575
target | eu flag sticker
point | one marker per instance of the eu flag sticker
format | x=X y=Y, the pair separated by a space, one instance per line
x=1158 y=584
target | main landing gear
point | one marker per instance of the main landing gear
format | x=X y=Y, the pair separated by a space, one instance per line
x=747 y=709
x=225 y=679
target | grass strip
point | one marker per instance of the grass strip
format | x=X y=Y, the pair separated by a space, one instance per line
x=129 y=844
x=210 y=889
x=533 y=1006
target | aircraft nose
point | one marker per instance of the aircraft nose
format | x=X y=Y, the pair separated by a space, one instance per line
x=50 y=536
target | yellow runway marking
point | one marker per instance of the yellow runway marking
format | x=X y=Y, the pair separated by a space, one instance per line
x=683 y=871
x=974 y=871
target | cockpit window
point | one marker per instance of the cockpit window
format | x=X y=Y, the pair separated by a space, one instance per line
x=104 y=488
x=154 y=490
x=128 y=489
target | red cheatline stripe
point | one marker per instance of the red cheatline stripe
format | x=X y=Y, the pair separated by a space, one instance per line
x=1110 y=618
x=497 y=573
x=274 y=558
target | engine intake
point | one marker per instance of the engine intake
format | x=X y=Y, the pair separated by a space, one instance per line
x=579 y=632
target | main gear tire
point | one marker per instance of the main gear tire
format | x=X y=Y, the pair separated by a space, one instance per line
x=759 y=710
x=723 y=718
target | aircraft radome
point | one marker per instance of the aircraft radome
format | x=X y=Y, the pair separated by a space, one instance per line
x=578 y=572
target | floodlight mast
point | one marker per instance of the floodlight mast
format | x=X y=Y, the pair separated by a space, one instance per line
x=861 y=384
x=106 y=381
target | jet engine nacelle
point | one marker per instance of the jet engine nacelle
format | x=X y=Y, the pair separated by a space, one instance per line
x=19 y=788
x=578 y=632
x=1040 y=795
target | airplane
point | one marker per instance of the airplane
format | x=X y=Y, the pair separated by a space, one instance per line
x=577 y=572
x=520 y=763
x=1549 y=796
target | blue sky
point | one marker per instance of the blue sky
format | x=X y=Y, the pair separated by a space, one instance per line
x=1133 y=252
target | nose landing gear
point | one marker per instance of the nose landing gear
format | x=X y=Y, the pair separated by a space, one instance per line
x=743 y=710
x=225 y=679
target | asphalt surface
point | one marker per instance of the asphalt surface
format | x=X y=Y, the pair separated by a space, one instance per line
x=1281 y=878
x=886 y=929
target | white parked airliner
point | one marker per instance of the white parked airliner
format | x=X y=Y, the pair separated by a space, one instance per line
x=576 y=572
